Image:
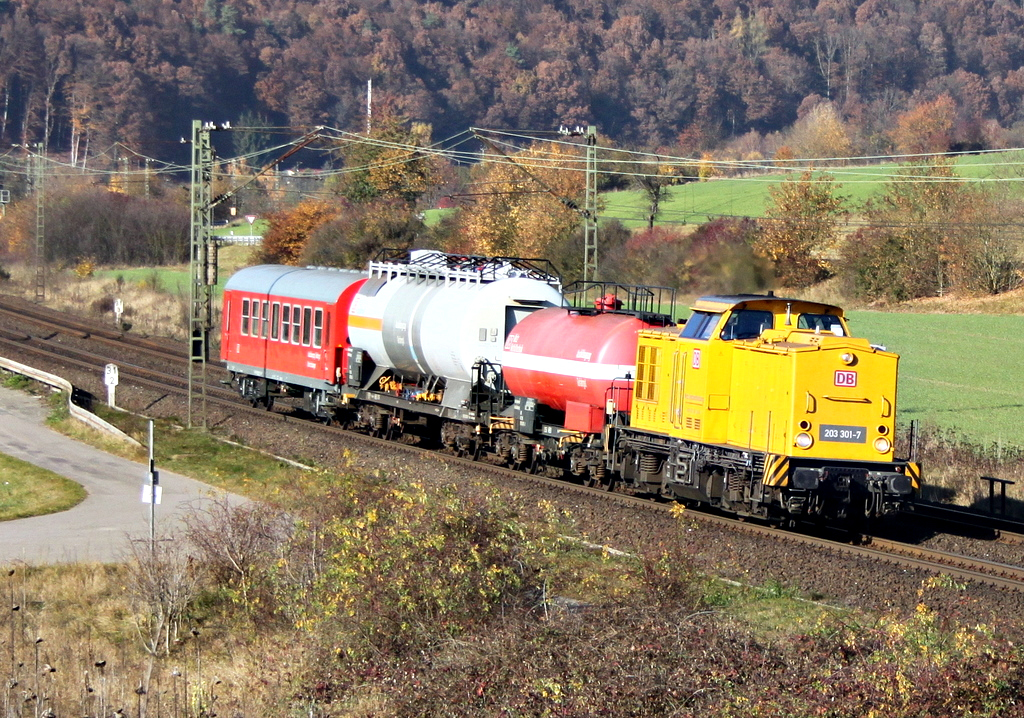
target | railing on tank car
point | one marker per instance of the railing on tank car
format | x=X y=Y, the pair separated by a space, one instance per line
x=434 y=265
x=653 y=304
x=617 y=397
x=488 y=393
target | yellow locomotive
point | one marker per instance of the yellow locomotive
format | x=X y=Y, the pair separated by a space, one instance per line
x=766 y=407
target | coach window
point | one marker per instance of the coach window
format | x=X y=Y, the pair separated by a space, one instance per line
x=318 y=328
x=747 y=324
x=307 y=325
x=275 y=318
x=701 y=325
x=286 y=322
x=266 y=319
x=296 y=325
x=245 y=317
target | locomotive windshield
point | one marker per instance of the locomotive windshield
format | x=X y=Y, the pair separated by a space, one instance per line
x=700 y=325
x=747 y=324
x=821 y=323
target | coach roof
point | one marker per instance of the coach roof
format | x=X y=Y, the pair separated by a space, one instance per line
x=319 y=284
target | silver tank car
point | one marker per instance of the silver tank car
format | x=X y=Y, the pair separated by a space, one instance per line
x=439 y=315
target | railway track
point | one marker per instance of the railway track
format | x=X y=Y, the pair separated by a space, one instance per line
x=26 y=312
x=38 y=329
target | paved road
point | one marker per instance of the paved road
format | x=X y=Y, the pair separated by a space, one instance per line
x=98 y=528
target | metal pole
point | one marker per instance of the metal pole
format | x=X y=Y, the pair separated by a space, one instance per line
x=153 y=481
x=369 y=105
x=203 y=264
x=590 y=215
x=37 y=176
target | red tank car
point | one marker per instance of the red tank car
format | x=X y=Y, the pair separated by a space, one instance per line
x=574 y=362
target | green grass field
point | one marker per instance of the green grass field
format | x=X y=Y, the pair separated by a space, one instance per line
x=697 y=202
x=175 y=280
x=957 y=371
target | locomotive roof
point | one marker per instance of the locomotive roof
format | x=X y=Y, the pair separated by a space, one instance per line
x=722 y=302
x=322 y=284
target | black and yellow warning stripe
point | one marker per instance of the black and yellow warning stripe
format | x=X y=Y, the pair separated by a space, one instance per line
x=776 y=470
x=913 y=470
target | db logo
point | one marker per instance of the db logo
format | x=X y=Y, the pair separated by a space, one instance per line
x=846 y=378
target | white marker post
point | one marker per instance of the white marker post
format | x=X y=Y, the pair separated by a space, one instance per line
x=110 y=379
x=118 y=311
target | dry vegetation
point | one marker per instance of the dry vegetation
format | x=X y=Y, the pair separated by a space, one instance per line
x=148 y=308
x=357 y=596
x=155 y=300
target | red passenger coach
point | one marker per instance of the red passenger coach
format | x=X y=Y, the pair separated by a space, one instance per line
x=285 y=329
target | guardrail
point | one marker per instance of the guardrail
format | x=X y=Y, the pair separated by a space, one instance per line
x=83 y=415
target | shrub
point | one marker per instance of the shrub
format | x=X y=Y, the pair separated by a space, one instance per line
x=85 y=268
x=103 y=305
x=360 y=232
x=403 y=566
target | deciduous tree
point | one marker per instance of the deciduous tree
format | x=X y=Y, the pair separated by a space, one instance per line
x=360 y=231
x=821 y=133
x=926 y=128
x=930 y=234
x=800 y=229
x=527 y=201
x=291 y=229
x=393 y=164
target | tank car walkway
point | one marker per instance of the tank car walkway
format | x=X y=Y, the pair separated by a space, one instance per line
x=97 y=529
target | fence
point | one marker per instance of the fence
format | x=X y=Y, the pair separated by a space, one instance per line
x=250 y=239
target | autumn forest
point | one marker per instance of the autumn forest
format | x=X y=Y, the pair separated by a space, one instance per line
x=687 y=75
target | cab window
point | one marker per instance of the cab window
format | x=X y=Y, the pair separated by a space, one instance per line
x=701 y=325
x=747 y=324
x=821 y=323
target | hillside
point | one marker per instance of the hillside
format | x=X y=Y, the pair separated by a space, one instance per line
x=693 y=75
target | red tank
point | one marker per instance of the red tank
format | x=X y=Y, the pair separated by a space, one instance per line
x=571 y=362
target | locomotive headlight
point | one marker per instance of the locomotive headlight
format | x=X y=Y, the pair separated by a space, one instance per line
x=882 y=445
x=848 y=358
x=804 y=440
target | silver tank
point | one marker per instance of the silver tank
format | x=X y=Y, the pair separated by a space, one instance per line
x=431 y=316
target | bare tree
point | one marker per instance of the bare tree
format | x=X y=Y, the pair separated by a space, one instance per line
x=161 y=584
x=236 y=544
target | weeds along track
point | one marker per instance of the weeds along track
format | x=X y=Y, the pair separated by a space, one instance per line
x=153 y=381
x=965 y=567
